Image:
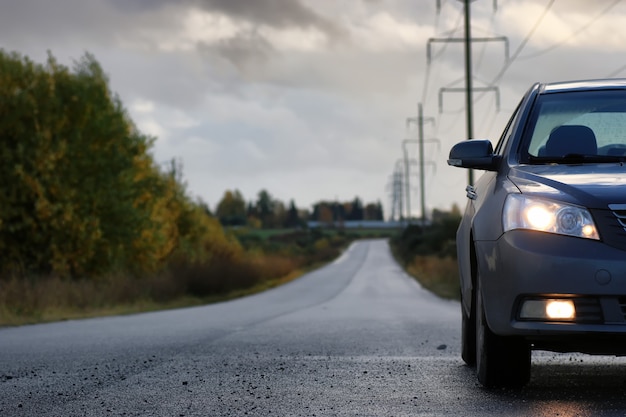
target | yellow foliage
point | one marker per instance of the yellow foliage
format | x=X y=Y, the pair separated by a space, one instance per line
x=81 y=194
x=321 y=244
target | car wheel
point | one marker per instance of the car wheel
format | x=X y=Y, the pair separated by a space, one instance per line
x=468 y=335
x=500 y=361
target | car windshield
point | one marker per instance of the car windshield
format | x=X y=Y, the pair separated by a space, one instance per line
x=578 y=127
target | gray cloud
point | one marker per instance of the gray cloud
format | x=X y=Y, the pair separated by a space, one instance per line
x=243 y=112
x=280 y=14
x=247 y=51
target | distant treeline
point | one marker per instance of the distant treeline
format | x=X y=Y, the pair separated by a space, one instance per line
x=269 y=213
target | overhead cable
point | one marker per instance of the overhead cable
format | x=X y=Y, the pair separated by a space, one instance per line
x=617 y=71
x=523 y=44
x=574 y=34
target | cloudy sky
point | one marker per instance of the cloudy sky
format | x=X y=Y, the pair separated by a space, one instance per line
x=309 y=99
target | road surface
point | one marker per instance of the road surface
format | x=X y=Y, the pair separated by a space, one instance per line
x=355 y=338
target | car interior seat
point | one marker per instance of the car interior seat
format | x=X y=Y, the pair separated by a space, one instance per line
x=571 y=139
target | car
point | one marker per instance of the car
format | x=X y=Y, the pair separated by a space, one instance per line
x=541 y=245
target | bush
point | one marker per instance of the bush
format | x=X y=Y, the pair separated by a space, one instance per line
x=429 y=253
x=438 y=274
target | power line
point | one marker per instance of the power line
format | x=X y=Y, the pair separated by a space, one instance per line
x=522 y=45
x=573 y=35
x=462 y=90
x=488 y=114
x=481 y=56
x=462 y=40
x=428 y=65
x=617 y=71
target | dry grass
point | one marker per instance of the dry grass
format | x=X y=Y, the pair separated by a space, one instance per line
x=26 y=301
x=439 y=275
x=181 y=283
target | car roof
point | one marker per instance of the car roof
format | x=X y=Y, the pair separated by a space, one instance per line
x=583 y=85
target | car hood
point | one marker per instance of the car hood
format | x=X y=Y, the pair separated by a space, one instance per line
x=589 y=185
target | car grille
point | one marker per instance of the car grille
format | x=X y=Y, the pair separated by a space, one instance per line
x=612 y=225
x=588 y=310
x=622 y=305
x=620 y=214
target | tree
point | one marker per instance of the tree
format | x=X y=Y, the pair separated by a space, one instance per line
x=293 y=219
x=231 y=210
x=265 y=208
x=356 y=210
x=325 y=214
x=373 y=211
x=81 y=193
x=73 y=167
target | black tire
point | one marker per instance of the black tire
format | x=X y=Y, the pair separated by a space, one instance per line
x=500 y=361
x=468 y=335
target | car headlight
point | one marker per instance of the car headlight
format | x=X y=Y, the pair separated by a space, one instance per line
x=523 y=212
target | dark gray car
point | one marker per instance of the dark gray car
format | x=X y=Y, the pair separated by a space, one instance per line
x=542 y=243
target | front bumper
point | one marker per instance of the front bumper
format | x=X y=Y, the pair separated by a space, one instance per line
x=527 y=264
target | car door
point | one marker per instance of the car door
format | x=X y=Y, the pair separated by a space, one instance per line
x=477 y=195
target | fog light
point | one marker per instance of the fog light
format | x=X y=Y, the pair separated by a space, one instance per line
x=560 y=309
x=549 y=309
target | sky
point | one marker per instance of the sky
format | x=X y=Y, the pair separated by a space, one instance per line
x=317 y=99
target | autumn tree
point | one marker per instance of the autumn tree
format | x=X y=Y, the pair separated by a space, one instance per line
x=72 y=167
x=81 y=193
x=327 y=212
x=373 y=211
x=231 y=210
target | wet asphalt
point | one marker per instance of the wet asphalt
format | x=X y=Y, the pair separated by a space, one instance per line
x=355 y=338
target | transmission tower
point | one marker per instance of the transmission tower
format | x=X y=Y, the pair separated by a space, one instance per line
x=467 y=41
x=397 y=184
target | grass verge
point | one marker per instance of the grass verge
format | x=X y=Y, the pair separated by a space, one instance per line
x=436 y=274
x=182 y=284
x=59 y=300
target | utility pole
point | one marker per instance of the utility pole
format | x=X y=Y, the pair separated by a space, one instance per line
x=420 y=120
x=495 y=5
x=431 y=41
x=467 y=41
x=397 y=189
x=406 y=179
x=468 y=82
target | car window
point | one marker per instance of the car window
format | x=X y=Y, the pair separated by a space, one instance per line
x=602 y=113
x=508 y=131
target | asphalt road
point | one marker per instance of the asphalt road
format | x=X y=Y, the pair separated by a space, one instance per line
x=356 y=338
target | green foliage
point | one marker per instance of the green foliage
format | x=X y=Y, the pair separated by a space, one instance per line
x=67 y=158
x=429 y=253
x=438 y=238
x=327 y=212
x=309 y=245
x=81 y=194
x=231 y=210
x=265 y=207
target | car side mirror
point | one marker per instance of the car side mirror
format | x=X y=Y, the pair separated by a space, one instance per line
x=475 y=154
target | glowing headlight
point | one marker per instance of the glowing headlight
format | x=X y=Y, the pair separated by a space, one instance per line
x=522 y=212
x=538 y=217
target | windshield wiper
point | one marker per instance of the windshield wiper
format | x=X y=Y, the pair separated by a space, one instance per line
x=576 y=158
